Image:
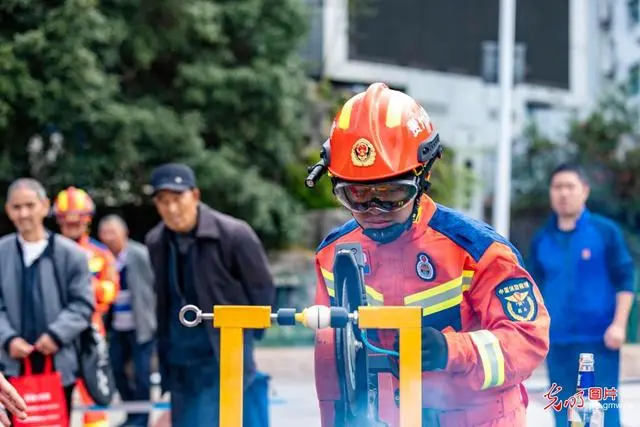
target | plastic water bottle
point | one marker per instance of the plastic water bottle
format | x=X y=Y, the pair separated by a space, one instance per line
x=590 y=413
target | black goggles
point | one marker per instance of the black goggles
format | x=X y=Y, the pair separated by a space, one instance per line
x=385 y=196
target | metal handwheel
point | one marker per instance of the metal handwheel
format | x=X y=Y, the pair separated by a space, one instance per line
x=351 y=355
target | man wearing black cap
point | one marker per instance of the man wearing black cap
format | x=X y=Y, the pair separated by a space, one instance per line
x=202 y=257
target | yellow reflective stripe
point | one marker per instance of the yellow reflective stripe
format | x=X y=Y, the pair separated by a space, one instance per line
x=491 y=356
x=95 y=264
x=441 y=297
x=108 y=291
x=328 y=282
x=326 y=274
x=419 y=297
x=467 y=276
x=62 y=201
x=451 y=302
x=345 y=115
x=394 y=112
x=374 y=297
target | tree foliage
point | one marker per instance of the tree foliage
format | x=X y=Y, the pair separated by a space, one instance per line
x=606 y=143
x=452 y=185
x=100 y=92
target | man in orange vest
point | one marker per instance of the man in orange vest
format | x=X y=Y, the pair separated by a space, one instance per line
x=484 y=325
x=74 y=211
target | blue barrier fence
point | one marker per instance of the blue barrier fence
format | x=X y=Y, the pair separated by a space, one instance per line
x=141 y=406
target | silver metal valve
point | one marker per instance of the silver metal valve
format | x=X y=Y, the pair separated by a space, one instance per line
x=199 y=316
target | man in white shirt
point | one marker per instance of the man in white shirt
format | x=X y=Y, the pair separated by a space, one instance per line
x=131 y=323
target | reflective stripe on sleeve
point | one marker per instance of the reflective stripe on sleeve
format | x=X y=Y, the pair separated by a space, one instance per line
x=491 y=356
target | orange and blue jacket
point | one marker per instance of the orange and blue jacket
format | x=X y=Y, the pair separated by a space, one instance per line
x=470 y=284
x=105 y=277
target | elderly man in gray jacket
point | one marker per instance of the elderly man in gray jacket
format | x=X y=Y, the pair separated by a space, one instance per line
x=34 y=322
x=131 y=321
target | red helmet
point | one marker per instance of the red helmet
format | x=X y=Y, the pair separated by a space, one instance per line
x=380 y=134
x=73 y=204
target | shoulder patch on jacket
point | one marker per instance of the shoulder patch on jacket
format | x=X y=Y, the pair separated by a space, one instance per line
x=472 y=235
x=337 y=233
x=517 y=298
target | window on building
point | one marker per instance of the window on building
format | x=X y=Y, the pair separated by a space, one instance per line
x=394 y=32
x=633 y=10
x=634 y=80
x=491 y=62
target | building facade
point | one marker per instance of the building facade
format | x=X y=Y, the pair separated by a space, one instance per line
x=619 y=24
x=445 y=54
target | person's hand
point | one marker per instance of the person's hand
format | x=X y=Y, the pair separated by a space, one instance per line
x=435 y=353
x=615 y=336
x=19 y=348
x=46 y=345
x=12 y=402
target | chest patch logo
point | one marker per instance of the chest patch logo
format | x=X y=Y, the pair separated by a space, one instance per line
x=518 y=301
x=586 y=254
x=424 y=267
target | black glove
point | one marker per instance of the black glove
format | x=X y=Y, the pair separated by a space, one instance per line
x=434 y=351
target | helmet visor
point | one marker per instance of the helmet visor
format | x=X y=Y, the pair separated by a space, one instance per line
x=385 y=196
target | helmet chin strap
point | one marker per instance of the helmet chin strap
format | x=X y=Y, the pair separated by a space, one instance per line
x=387 y=234
x=392 y=232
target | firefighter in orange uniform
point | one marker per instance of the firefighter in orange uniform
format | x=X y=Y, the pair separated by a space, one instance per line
x=74 y=211
x=485 y=327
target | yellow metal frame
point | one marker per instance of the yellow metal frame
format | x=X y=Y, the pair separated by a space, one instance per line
x=232 y=320
x=409 y=321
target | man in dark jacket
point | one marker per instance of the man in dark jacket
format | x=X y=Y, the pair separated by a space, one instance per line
x=202 y=257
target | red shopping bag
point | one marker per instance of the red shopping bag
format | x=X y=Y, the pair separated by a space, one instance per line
x=44 y=395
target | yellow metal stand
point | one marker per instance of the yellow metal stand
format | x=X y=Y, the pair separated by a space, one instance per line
x=232 y=320
x=409 y=321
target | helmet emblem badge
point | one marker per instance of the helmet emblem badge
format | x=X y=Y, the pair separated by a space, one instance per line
x=363 y=153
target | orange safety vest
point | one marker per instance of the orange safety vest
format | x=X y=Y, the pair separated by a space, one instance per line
x=105 y=277
x=106 y=284
x=471 y=285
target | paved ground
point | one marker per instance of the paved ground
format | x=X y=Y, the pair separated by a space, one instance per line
x=294 y=403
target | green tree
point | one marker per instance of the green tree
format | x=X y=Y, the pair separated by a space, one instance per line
x=451 y=185
x=606 y=143
x=325 y=102
x=535 y=157
x=127 y=84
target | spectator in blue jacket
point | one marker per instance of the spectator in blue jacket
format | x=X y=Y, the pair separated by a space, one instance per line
x=586 y=275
